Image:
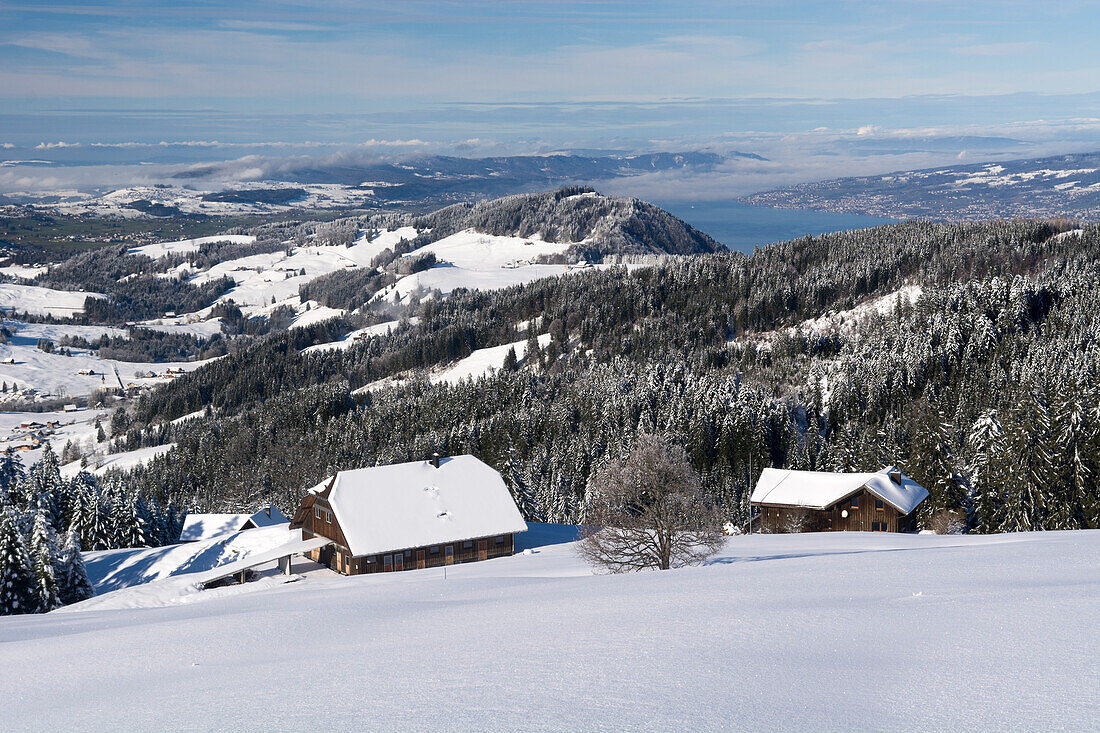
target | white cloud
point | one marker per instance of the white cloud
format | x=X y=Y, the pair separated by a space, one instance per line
x=58 y=144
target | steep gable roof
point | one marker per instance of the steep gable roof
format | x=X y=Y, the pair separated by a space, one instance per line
x=819 y=489
x=406 y=505
x=205 y=526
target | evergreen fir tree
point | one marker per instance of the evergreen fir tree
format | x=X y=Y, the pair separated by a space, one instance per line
x=985 y=443
x=18 y=586
x=44 y=552
x=72 y=576
x=510 y=360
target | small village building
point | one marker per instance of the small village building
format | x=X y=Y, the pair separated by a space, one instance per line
x=197 y=527
x=815 y=501
x=411 y=515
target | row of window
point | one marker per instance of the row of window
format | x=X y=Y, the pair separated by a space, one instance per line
x=879 y=506
x=880 y=527
x=323 y=514
x=449 y=551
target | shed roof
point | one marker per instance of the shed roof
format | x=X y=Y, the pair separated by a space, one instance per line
x=204 y=526
x=415 y=504
x=819 y=489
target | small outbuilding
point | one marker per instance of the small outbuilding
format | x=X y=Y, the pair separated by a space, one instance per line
x=816 y=501
x=198 y=527
x=411 y=515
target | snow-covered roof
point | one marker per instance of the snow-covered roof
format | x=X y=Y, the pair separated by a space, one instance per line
x=204 y=526
x=818 y=489
x=416 y=504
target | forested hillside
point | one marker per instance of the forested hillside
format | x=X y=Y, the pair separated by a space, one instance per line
x=606 y=225
x=985 y=389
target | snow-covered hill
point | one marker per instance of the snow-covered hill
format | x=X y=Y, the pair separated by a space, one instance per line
x=807 y=632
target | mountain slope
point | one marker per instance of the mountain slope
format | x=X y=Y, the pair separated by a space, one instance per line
x=1064 y=185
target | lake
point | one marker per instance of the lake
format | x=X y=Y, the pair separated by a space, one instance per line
x=742 y=227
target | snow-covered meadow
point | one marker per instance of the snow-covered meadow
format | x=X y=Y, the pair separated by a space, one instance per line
x=815 y=631
x=42 y=301
x=24 y=364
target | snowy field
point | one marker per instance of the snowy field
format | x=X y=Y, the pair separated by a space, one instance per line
x=447 y=277
x=42 y=301
x=187 y=246
x=100 y=464
x=790 y=632
x=354 y=337
x=24 y=271
x=473 y=250
x=484 y=361
x=60 y=375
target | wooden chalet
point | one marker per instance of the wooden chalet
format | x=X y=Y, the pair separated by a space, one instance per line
x=814 y=501
x=410 y=515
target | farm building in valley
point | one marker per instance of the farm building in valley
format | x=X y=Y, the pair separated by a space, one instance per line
x=198 y=527
x=814 y=501
x=410 y=515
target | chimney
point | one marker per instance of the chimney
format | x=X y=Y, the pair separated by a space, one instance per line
x=267 y=510
x=435 y=460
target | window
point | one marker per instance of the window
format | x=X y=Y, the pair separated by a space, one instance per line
x=408 y=553
x=387 y=562
x=855 y=503
x=435 y=550
x=879 y=506
x=499 y=540
x=467 y=545
x=879 y=527
x=317 y=511
x=370 y=558
x=450 y=550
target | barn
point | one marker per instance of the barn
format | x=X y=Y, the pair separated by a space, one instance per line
x=198 y=527
x=410 y=515
x=816 y=501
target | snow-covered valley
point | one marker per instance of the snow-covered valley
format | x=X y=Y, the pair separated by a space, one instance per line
x=814 y=631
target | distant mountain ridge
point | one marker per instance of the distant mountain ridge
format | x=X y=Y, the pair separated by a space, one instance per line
x=442 y=179
x=1057 y=186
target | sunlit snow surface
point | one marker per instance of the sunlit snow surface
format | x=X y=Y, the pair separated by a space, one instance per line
x=796 y=632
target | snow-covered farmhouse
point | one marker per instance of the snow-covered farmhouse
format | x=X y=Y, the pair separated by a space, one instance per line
x=410 y=515
x=198 y=527
x=814 y=501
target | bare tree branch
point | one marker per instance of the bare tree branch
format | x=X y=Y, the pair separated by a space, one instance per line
x=648 y=511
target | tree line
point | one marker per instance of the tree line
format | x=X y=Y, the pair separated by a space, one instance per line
x=984 y=389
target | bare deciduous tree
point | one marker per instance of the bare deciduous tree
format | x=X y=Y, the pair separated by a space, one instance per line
x=795 y=521
x=648 y=511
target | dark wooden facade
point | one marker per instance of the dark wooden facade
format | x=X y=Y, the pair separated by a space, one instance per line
x=860 y=512
x=316 y=518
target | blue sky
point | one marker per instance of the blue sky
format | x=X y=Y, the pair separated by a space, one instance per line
x=336 y=56
x=609 y=74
